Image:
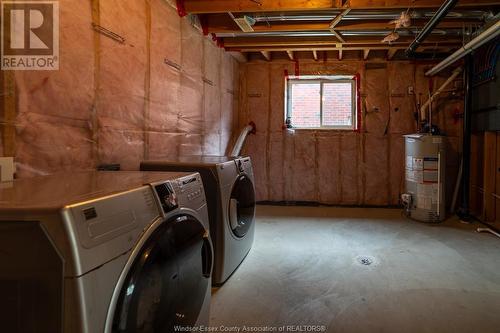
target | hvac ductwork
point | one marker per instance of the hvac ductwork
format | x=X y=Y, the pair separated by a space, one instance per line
x=365 y=15
x=365 y=33
x=429 y=27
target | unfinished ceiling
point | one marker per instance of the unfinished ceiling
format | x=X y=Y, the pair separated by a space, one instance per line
x=316 y=29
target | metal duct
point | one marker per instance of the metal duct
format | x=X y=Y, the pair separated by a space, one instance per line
x=365 y=15
x=487 y=35
x=433 y=22
x=440 y=32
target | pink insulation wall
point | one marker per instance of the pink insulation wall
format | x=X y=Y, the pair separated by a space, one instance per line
x=165 y=91
x=333 y=166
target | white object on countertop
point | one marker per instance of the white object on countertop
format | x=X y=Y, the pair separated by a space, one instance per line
x=7 y=169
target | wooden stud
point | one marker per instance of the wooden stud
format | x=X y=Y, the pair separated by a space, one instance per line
x=338 y=18
x=391 y=53
x=266 y=55
x=8 y=113
x=366 y=53
x=94 y=119
x=339 y=36
x=489 y=175
x=290 y=55
x=315 y=55
x=497 y=176
x=147 y=81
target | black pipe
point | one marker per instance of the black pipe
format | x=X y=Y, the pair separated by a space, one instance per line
x=427 y=29
x=464 y=212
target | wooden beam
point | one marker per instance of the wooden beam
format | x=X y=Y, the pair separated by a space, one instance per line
x=338 y=36
x=267 y=55
x=218 y=23
x=391 y=53
x=316 y=47
x=370 y=4
x=240 y=57
x=315 y=55
x=224 y=6
x=338 y=18
x=290 y=55
x=366 y=53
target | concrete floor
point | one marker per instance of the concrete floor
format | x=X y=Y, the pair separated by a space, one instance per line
x=303 y=270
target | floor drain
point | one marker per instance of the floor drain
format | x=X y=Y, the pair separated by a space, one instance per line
x=364 y=260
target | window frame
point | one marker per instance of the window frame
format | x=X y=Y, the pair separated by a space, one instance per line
x=322 y=79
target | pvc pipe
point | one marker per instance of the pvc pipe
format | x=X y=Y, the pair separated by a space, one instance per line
x=487 y=35
x=453 y=76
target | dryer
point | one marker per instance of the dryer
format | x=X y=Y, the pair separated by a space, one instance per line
x=91 y=252
x=229 y=185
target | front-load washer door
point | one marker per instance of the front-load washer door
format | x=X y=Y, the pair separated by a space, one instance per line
x=168 y=281
x=242 y=206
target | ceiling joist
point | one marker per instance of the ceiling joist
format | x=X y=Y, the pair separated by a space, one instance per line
x=267 y=55
x=224 y=6
x=223 y=25
x=314 y=41
x=354 y=26
x=337 y=19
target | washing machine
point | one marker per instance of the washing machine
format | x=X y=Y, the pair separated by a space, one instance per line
x=88 y=252
x=229 y=186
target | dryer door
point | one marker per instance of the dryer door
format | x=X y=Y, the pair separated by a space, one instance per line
x=168 y=280
x=242 y=206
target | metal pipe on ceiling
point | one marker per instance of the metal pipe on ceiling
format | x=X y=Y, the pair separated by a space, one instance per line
x=326 y=33
x=365 y=15
x=489 y=34
x=429 y=27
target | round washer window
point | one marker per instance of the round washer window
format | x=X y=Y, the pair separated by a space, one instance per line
x=242 y=206
x=168 y=281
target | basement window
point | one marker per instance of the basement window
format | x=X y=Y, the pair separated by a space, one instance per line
x=321 y=102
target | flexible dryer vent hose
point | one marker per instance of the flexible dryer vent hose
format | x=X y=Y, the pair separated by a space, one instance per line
x=249 y=129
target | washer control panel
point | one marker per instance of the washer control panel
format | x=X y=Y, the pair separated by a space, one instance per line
x=191 y=189
x=183 y=192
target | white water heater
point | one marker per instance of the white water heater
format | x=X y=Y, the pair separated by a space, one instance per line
x=424 y=197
